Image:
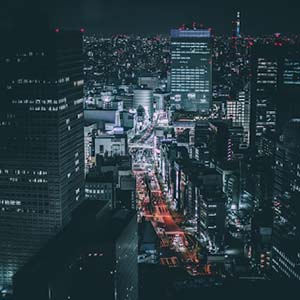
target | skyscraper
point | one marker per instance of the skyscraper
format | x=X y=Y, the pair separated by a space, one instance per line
x=275 y=86
x=265 y=74
x=191 y=69
x=42 y=142
x=286 y=226
x=238 y=110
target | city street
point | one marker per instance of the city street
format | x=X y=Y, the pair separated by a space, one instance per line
x=152 y=205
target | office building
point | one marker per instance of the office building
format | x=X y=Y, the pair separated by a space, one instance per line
x=113 y=178
x=238 y=110
x=211 y=206
x=220 y=142
x=42 y=141
x=202 y=142
x=286 y=224
x=100 y=187
x=264 y=85
x=126 y=191
x=191 y=69
x=275 y=86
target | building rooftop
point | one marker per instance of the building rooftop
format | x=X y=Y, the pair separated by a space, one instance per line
x=95 y=176
x=92 y=224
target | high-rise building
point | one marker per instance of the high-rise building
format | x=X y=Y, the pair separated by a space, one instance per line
x=220 y=142
x=286 y=226
x=202 y=143
x=211 y=206
x=238 y=110
x=191 y=69
x=264 y=86
x=42 y=141
x=275 y=86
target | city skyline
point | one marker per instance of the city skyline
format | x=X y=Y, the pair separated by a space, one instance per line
x=136 y=17
x=145 y=166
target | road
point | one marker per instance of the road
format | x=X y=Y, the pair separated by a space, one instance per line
x=152 y=205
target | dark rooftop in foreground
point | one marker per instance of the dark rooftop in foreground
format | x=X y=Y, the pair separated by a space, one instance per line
x=91 y=222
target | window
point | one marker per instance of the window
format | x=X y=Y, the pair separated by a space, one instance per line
x=101 y=148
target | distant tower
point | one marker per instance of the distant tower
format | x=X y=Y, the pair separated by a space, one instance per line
x=238 y=24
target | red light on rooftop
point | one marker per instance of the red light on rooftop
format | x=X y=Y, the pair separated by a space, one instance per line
x=82 y=30
x=56 y=30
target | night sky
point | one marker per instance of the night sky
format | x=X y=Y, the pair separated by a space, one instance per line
x=158 y=16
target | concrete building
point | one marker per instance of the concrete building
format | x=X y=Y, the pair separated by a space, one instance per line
x=100 y=187
x=111 y=145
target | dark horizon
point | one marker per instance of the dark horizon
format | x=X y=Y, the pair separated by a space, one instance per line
x=155 y=17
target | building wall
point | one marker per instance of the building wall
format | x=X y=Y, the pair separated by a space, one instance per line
x=286 y=224
x=41 y=146
x=112 y=145
x=127 y=264
x=144 y=98
x=100 y=191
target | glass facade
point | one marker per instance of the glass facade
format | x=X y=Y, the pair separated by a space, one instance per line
x=191 y=70
x=41 y=146
x=275 y=88
x=291 y=72
x=286 y=224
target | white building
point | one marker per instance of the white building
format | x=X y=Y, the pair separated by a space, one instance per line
x=88 y=144
x=111 y=145
x=239 y=112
